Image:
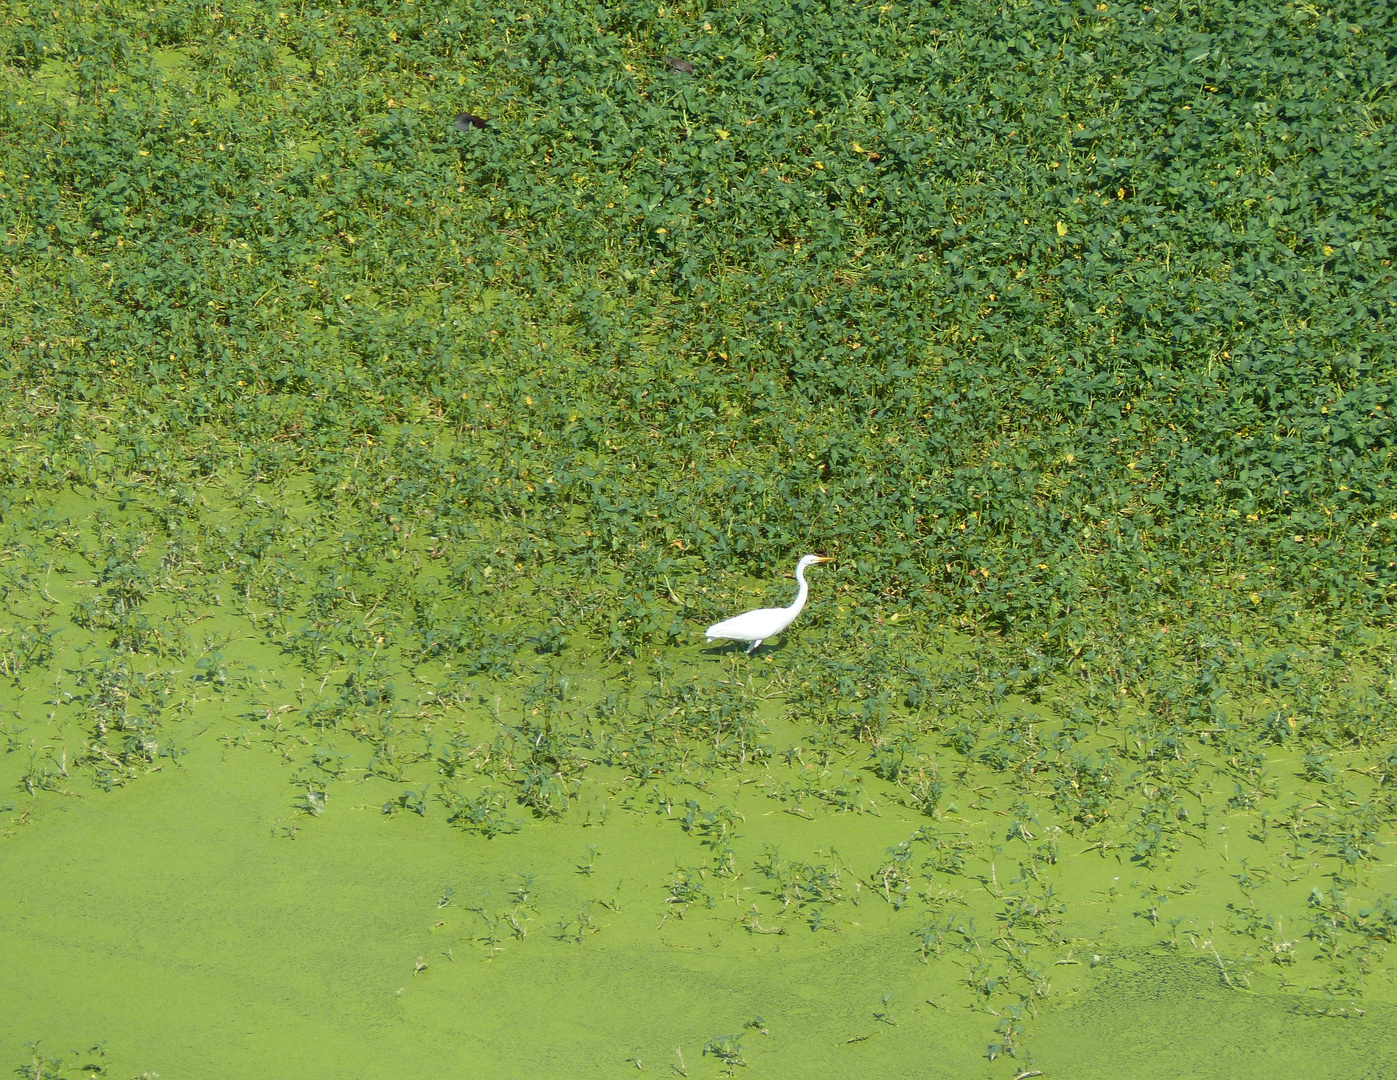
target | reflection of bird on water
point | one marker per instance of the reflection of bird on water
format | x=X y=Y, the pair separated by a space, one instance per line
x=756 y=626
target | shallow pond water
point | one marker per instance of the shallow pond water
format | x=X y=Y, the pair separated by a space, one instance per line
x=192 y=926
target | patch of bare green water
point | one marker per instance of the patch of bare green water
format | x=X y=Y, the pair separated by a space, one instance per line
x=203 y=922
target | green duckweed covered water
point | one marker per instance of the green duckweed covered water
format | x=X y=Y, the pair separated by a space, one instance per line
x=367 y=485
x=202 y=919
x=177 y=925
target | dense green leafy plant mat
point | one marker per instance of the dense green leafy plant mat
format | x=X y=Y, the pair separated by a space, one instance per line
x=421 y=457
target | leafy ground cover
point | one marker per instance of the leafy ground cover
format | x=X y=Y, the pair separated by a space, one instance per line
x=368 y=483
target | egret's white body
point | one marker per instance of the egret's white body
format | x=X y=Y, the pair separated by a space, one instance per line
x=756 y=626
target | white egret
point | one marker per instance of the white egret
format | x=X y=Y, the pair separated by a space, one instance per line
x=756 y=626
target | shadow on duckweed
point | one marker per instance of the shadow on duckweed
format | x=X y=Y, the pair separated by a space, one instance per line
x=1155 y=1013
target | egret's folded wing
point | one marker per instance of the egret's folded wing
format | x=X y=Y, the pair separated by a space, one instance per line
x=750 y=625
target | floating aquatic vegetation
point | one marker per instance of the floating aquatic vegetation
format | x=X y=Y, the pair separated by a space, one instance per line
x=337 y=417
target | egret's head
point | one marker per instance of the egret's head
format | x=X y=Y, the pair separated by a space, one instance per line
x=811 y=560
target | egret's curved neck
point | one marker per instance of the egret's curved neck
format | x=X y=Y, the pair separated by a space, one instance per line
x=801 y=593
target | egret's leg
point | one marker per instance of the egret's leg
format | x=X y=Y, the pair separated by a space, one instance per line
x=753 y=647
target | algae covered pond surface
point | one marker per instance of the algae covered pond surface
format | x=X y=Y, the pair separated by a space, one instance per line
x=367 y=484
x=177 y=926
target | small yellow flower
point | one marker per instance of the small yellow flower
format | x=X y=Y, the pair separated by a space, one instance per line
x=1061 y=228
x=721 y=133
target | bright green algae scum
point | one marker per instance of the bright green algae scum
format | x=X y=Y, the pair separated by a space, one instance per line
x=367 y=483
x=179 y=925
x=793 y=915
x=192 y=924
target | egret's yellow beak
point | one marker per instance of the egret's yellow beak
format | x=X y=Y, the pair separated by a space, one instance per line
x=822 y=558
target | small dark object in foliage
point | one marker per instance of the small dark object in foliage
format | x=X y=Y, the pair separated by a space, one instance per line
x=465 y=121
x=681 y=66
